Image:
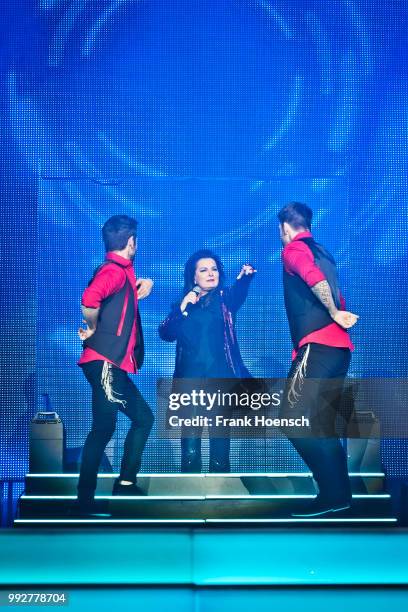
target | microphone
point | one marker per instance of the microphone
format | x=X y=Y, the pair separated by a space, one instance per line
x=187 y=309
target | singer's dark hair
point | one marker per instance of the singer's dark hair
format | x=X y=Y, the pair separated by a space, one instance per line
x=117 y=231
x=298 y=215
x=191 y=264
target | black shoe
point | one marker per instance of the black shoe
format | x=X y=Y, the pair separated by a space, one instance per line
x=319 y=507
x=132 y=490
x=344 y=504
x=89 y=509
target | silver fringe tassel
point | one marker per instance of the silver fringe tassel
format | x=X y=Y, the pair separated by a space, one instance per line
x=297 y=379
x=106 y=381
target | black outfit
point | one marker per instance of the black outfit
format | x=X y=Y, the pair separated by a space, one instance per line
x=112 y=334
x=201 y=337
x=112 y=389
x=317 y=376
x=304 y=310
x=104 y=414
x=319 y=400
x=207 y=348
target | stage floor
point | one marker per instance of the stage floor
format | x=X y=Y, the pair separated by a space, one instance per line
x=212 y=569
x=194 y=557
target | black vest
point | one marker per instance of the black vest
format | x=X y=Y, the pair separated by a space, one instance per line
x=304 y=310
x=112 y=335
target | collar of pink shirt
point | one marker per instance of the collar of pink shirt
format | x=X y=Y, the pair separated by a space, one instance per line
x=303 y=235
x=112 y=256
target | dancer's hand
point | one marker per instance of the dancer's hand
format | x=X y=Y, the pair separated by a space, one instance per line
x=246 y=270
x=85 y=333
x=345 y=319
x=144 y=287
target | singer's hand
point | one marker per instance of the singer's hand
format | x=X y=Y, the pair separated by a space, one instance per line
x=190 y=298
x=85 y=333
x=144 y=287
x=245 y=270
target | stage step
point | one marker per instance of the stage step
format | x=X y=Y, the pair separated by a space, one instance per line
x=203 y=500
x=310 y=523
x=196 y=507
x=203 y=484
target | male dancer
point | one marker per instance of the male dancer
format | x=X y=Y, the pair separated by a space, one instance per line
x=318 y=324
x=113 y=348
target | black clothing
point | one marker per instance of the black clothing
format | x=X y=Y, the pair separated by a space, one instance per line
x=115 y=323
x=304 y=310
x=319 y=397
x=202 y=337
x=127 y=399
x=315 y=383
x=178 y=327
x=207 y=347
x=191 y=455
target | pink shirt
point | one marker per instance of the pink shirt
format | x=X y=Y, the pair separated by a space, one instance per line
x=298 y=259
x=109 y=280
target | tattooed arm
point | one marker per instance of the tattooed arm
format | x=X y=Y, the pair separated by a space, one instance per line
x=323 y=293
x=298 y=259
x=91 y=319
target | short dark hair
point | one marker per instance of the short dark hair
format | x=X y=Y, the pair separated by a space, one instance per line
x=116 y=232
x=298 y=215
x=191 y=264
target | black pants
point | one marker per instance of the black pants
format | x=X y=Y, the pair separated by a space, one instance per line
x=191 y=455
x=191 y=437
x=112 y=390
x=318 y=398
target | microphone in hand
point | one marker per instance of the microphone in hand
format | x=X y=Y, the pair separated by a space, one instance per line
x=191 y=300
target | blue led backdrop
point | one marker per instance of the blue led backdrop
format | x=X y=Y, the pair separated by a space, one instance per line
x=201 y=119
